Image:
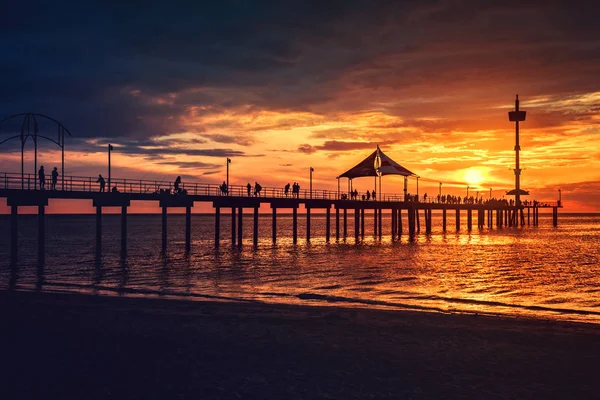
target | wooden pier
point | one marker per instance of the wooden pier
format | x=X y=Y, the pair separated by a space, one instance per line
x=403 y=213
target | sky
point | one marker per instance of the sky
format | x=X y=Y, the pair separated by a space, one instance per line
x=282 y=86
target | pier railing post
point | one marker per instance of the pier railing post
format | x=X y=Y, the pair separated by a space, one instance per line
x=457 y=219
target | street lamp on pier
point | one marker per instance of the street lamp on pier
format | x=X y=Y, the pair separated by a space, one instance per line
x=110 y=148
x=228 y=162
x=440 y=190
x=311 y=173
x=468 y=187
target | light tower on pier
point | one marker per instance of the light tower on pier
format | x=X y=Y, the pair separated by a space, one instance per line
x=517 y=116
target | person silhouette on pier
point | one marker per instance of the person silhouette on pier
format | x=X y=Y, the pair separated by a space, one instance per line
x=368 y=195
x=114 y=190
x=257 y=189
x=249 y=188
x=177 y=184
x=373 y=195
x=54 y=178
x=287 y=189
x=224 y=188
x=101 y=182
x=42 y=177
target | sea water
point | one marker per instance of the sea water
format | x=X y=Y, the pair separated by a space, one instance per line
x=541 y=272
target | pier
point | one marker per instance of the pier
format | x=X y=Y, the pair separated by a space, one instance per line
x=409 y=212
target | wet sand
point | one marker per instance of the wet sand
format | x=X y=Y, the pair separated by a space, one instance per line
x=87 y=347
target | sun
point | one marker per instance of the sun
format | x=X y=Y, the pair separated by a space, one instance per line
x=474 y=176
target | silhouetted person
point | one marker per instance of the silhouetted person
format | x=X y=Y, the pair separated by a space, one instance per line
x=373 y=195
x=368 y=195
x=287 y=189
x=54 y=178
x=114 y=190
x=177 y=183
x=257 y=189
x=101 y=182
x=42 y=177
x=224 y=188
x=425 y=197
x=249 y=188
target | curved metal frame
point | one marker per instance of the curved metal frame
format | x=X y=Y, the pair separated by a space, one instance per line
x=26 y=134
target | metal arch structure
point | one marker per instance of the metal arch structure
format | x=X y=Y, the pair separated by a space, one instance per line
x=26 y=133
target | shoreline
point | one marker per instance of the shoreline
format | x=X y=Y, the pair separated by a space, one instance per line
x=71 y=345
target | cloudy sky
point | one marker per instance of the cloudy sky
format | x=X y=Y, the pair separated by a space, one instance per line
x=285 y=85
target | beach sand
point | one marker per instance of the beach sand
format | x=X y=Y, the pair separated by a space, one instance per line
x=92 y=347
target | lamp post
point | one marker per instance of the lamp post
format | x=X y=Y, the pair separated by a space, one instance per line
x=418 y=187
x=311 y=171
x=228 y=162
x=338 y=191
x=468 y=187
x=559 y=197
x=110 y=148
x=490 y=193
x=440 y=190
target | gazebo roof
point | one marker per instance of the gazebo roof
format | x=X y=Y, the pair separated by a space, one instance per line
x=368 y=167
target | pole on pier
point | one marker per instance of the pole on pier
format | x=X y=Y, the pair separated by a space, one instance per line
x=233 y=233
x=469 y=219
x=517 y=116
x=457 y=219
x=356 y=223
x=362 y=222
x=164 y=228
x=274 y=225
x=345 y=222
x=14 y=224
x=307 y=224
x=98 y=230
x=444 y=220
x=217 y=226
x=295 y=225
x=255 y=233
x=123 y=231
x=327 y=223
x=240 y=225
x=337 y=224
x=188 y=229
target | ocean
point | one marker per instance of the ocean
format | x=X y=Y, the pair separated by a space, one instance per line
x=538 y=272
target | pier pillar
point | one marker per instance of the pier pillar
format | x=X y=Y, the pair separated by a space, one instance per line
x=188 y=229
x=356 y=223
x=522 y=217
x=274 y=225
x=411 y=221
x=480 y=217
x=217 y=226
x=444 y=220
x=528 y=215
x=123 y=231
x=255 y=230
x=98 y=230
x=418 y=220
x=307 y=224
x=506 y=212
x=295 y=225
x=337 y=224
x=394 y=222
x=380 y=215
x=374 y=222
x=345 y=222
x=399 y=222
x=362 y=222
x=164 y=228
x=233 y=232
x=428 y=221
x=457 y=220
x=240 y=226
x=470 y=219
x=41 y=233
x=555 y=216
x=327 y=223
x=14 y=237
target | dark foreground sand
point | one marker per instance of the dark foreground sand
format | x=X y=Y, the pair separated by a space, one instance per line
x=85 y=347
